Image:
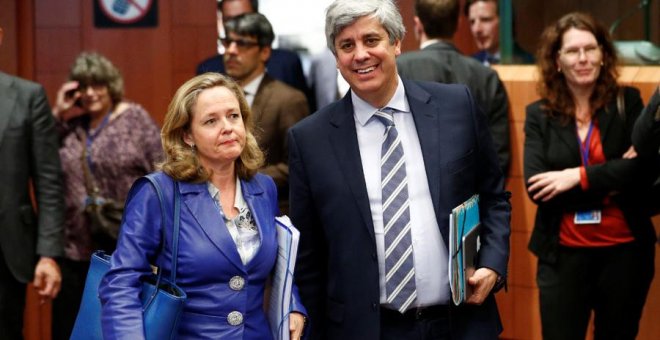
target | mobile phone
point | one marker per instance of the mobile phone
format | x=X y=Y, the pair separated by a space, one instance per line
x=71 y=93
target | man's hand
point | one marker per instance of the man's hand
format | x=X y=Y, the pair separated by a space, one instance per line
x=47 y=278
x=296 y=325
x=482 y=283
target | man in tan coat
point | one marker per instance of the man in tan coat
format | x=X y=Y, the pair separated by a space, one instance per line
x=275 y=106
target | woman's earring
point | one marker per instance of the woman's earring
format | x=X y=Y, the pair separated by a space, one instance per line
x=602 y=63
x=558 y=69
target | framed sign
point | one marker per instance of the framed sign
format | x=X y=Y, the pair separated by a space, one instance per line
x=125 y=13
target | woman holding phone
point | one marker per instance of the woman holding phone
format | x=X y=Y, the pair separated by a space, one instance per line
x=106 y=143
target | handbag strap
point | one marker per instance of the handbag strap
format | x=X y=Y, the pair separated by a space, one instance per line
x=175 y=232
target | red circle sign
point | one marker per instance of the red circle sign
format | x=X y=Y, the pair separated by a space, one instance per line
x=125 y=11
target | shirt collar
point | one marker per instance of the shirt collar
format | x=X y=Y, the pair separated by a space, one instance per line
x=428 y=43
x=253 y=86
x=239 y=202
x=363 y=110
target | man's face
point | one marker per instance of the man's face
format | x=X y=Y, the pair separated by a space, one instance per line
x=367 y=60
x=234 y=8
x=485 y=25
x=244 y=59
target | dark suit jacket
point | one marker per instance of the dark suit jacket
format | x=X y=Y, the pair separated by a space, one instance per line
x=337 y=268
x=443 y=63
x=551 y=145
x=520 y=56
x=276 y=108
x=283 y=65
x=28 y=153
x=646 y=134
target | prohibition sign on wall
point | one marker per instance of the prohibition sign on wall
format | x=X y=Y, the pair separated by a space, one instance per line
x=125 y=13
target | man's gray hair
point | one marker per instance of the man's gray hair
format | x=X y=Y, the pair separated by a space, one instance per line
x=342 y=13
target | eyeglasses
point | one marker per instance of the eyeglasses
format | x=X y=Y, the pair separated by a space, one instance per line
x=241 y=44
x=573 y=53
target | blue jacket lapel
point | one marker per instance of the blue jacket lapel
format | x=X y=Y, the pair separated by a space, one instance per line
x=344 y=141
x=198 y=200
x=426 y=122
x=260 y=206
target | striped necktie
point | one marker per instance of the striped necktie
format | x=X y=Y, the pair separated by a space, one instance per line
x=399 y=262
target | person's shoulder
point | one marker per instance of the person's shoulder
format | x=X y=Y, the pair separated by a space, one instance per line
x=322 y=117
x=411 y=56
x=631 y=92
x=433 y=87
x=19 y=83
x=281 y=93
x=536 y=108
x=211 y=64
x=284 y=56
x=263 y=181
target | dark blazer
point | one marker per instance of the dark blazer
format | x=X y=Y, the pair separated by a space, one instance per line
x=337 y=268
x=207 y=261
x=28 y=153
x=443 y=63
x=520 y=56
x=276 y=108
x=646 y=134
x=551 y=145
x=283 y=65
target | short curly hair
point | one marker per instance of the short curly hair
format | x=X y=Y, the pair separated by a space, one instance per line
x=92 y=68
x=181 y=161
x=552 y=83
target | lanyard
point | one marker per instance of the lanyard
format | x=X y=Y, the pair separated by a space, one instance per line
x=92 y=136
x=584 y=147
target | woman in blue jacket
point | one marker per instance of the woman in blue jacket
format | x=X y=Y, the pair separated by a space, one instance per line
x=227 y=238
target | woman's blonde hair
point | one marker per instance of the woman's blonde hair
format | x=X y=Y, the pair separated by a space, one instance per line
x=181 y=161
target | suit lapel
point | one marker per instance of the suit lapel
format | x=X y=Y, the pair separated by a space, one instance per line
x=253 y=194
x=7 y=103
x=427 y=125
x=202 y=207
x=343 y=138
x=261 y=98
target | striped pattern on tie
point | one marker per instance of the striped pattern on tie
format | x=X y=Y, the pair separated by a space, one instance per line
x=399 y=262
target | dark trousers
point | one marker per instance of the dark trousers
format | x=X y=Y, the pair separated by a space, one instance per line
x=12 y=303
x=67 y=303
x=610 y=281
x=432 y=324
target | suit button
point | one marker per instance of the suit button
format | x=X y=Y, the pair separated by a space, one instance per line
x=374 y=306
x=236 y=283
x=374 y=256
x=235 y=318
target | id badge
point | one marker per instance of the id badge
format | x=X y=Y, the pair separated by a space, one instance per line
x=587 y=217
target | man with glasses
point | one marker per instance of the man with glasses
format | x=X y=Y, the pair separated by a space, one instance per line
x=282 y=65
x=275 y=105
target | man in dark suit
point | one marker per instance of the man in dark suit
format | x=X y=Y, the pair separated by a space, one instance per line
x=485 y=27
x=282 y=65
x=275 y=105
x=438 y=60
x=373 y=179
x=29 y=242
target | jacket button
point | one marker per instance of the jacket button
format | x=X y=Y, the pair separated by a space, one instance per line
x=374 y=306
x=235 y=318
x=374 y=256
x=236 y=283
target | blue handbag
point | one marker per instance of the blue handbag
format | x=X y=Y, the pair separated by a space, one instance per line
x=162 y=300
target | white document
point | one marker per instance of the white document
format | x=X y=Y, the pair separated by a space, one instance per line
x=280 y=294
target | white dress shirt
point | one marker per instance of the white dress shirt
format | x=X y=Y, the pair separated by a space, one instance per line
x=251 y=88
x=429 y=251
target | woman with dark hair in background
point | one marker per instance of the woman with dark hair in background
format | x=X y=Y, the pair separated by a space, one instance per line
x=106 y=144
x=227 y=239
x=595 y=245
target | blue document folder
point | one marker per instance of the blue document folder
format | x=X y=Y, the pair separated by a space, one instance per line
x=464 y=229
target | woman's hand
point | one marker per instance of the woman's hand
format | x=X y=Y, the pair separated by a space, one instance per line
x=630 y=153
x=549 y=184
x=296 y=325
x=65 y=107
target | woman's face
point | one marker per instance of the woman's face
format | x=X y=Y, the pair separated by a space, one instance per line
x=580 y=58
x=217 y=128
x=95 y=99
